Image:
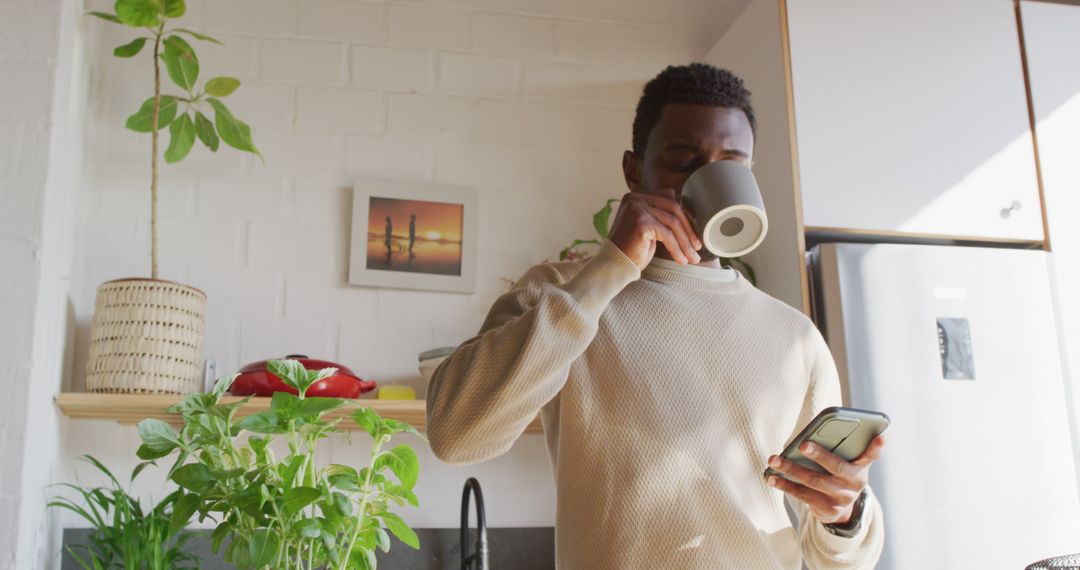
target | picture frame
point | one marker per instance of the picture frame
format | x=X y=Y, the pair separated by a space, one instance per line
x=408 y=235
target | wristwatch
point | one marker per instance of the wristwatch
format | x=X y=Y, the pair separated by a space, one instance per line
x=852 y=527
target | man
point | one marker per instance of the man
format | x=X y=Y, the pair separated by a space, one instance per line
x=665 y=382
x=412 y=234
x=389 y=239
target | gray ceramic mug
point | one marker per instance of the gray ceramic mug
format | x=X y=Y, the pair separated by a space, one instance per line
x=729 y=214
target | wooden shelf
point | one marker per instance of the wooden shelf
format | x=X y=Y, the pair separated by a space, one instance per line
x=130 y=409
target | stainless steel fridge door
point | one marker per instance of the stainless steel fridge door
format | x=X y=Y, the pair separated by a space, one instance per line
x=958 y=346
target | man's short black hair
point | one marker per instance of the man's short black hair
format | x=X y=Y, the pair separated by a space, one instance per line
x=695 y=84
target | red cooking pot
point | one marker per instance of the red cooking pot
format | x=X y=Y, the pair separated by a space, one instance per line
x=256 y=380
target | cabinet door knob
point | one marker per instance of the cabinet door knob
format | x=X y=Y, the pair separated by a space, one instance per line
x=1014 y=207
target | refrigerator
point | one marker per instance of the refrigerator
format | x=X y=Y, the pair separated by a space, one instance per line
x=959 y=346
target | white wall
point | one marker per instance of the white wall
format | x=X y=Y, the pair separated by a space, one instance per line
x=41 y=107
x=752 y=49
x=1052 y=44
x=531 y=103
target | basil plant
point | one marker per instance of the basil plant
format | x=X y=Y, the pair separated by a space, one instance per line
x=288 y=511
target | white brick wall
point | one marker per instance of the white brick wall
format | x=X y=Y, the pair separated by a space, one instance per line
x=528 y=102
x=342 y=20
x=391 y=69
x=504 y=35
x=334 y=109
x=479 y=75
x=41 y=112
x=422 y=26
x=303 y=61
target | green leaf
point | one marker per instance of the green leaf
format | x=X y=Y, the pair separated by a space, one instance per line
x=105 y=16
x=343 y=504
x=233 y=131
x=158 y=436
x=316 y=406
x=362 y=558
x=142 y=119
x=174 y=8
x=309 y=528
x=382 y=540
x=130 y=49
x=194 y=477
x=147 y=453
x=288 y=471
x=600 y=218
x=299 y=497
x=368 y=420
x=238 y=552
x=395 y=426
x=205 y=129
x=218 y=536
x=261 y=422
x=198 y=36
x=264 y=547
x=400 y=529
x=258 y=443
x=101 y=467
x=314 y=376
x=221 y=86
x=249 y=501
x=223 y=384
x=181 y=62
x=181 y=139
x=403 y=462
x=284 y=405
x=138 y=13
x=343 y=477
x=291 y=372
x=401 y=491
x=183 y=509
x=139 y=468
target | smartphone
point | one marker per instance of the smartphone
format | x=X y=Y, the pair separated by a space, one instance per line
x=844 y=431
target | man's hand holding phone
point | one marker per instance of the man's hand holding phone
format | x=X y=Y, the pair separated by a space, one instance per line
x=830 y=496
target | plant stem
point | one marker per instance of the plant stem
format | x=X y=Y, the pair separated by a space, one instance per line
x=363 y=503
x=154 y=155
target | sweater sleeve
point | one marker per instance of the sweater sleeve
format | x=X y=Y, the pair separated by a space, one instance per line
x=821 y=549
x=483 y=396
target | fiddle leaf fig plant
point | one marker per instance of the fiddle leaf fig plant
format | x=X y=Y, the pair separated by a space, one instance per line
x=288 y=511
x=186 y=113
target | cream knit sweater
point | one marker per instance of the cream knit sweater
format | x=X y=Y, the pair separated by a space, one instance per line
x=662 y=394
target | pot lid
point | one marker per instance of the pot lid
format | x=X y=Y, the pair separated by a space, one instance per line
x=437 y=352
x=309 y=364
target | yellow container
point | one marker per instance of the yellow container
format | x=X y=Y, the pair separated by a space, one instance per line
x=396 y=393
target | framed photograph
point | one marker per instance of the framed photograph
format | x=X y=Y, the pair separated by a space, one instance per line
x=413 y=236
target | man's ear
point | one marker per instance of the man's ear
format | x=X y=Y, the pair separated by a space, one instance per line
x=631 y=168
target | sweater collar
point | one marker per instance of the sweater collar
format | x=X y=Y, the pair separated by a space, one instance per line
x=726 y=279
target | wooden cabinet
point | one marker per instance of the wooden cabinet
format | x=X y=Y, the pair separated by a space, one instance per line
x=912 y=117
x=885 y=118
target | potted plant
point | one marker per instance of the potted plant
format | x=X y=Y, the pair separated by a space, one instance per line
x=146 y=334
x=123 y=535
x=288 y=511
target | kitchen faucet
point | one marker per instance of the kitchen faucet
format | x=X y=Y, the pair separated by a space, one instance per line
x=478 y=560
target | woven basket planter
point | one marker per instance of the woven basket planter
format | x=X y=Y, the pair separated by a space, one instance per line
x=146 y=337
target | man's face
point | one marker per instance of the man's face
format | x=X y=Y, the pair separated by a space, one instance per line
x=686 y=138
